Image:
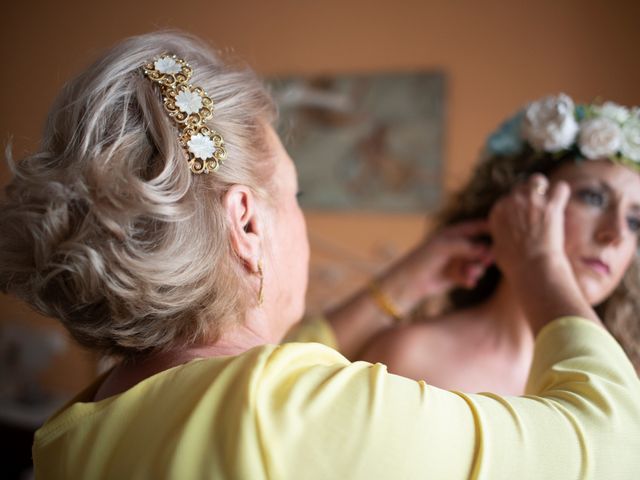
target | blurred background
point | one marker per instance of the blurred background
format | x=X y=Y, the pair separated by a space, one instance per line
x=491 y=56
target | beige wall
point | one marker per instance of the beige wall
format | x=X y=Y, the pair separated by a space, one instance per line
x=496 y=54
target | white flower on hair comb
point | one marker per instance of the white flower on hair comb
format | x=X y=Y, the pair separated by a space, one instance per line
x=189 y=102
x=190 y=107
x=201 y=146
x=167 y=65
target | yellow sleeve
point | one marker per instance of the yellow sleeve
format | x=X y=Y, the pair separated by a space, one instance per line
x=315 y=329
x=319 y=416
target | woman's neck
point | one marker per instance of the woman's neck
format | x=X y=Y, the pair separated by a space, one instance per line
x=506 y=317
x=233 y=342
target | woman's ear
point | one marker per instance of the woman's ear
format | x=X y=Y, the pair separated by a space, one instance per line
x=244 y=227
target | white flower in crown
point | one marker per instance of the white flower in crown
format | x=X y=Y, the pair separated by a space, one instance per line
x=630 y=147
x=201 y=146
x=600 y=137
x=189 y=102
x=549 y=124
x=167 y=65
x=613 y=111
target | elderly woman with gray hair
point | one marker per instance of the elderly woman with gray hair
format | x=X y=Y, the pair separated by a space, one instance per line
x=159 y=223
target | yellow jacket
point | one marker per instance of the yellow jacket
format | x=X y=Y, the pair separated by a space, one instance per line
x=302 y=411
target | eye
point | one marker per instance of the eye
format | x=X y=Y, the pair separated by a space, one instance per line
x=591 y=197
x=634 y=224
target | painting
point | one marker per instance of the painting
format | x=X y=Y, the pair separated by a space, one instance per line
x=365 y=142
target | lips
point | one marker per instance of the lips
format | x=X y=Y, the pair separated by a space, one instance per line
x=597 y=265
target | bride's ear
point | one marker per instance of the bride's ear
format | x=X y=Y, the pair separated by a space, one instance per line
x=245 y=228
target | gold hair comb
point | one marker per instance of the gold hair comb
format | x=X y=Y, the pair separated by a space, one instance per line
x=190 y=107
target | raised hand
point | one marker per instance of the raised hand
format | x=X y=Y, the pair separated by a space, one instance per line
x=451 y=257
x=527 y=227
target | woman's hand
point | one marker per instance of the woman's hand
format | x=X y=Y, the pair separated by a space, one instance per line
x=451 y=257
x=527 y=227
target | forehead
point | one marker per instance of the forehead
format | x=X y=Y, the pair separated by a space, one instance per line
x=621 y=179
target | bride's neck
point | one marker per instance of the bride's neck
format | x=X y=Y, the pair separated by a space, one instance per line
x=507 y=316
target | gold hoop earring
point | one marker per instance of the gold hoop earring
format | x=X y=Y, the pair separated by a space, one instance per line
x=261 y=290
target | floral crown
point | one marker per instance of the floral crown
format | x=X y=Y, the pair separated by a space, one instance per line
x=190 y=107
x=555 y=125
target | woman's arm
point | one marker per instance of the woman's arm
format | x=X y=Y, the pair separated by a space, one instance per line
x=449 y=258
x=321 y=417
x=580 y=420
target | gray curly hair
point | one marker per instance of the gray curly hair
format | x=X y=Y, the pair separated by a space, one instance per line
x=106 y=229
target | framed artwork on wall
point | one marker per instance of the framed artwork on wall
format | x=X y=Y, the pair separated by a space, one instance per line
x=365 y=142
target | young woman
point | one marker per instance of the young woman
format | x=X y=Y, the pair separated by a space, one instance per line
x=484 y=341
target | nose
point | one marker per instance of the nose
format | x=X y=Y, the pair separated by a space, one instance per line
x=612 y=228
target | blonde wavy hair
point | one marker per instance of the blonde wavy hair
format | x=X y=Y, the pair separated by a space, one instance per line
x=495 y=177
x=106 y=229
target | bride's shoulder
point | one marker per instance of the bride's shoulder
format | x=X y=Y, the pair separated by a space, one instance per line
x=424 y=349
x=407 y=343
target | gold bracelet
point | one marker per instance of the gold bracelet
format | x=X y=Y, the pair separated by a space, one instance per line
x=383 y=302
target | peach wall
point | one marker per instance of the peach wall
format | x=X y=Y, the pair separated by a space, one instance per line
x=496 y=54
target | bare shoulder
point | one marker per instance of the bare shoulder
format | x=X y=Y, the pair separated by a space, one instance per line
x=411 y=350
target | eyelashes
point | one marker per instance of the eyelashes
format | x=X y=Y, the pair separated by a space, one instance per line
x=592 y=197
x=634 y=224
x=599 y=199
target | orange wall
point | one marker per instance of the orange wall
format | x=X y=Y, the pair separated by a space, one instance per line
x=496 y=54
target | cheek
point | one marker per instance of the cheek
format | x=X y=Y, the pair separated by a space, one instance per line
x=298 y=240
x=295 y=243
x=627 y=256
x=304 y=238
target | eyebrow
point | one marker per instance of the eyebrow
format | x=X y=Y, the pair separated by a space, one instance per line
x=635 y=207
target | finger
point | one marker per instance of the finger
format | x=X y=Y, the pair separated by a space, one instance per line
x=538 y=184
x=471 y=273
x=457 y=273
x=466 y=249
x=496 y=213
x=470 y=228
x=488 y=258
x=475 y=271
x=559 y=195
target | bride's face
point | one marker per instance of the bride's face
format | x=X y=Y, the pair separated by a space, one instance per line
x=602 y=223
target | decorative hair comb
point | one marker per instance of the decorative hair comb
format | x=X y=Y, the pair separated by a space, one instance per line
x=189 y=107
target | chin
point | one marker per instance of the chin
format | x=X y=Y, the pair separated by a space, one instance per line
x=294 y=314
x=299 y=313
x=593 y=293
